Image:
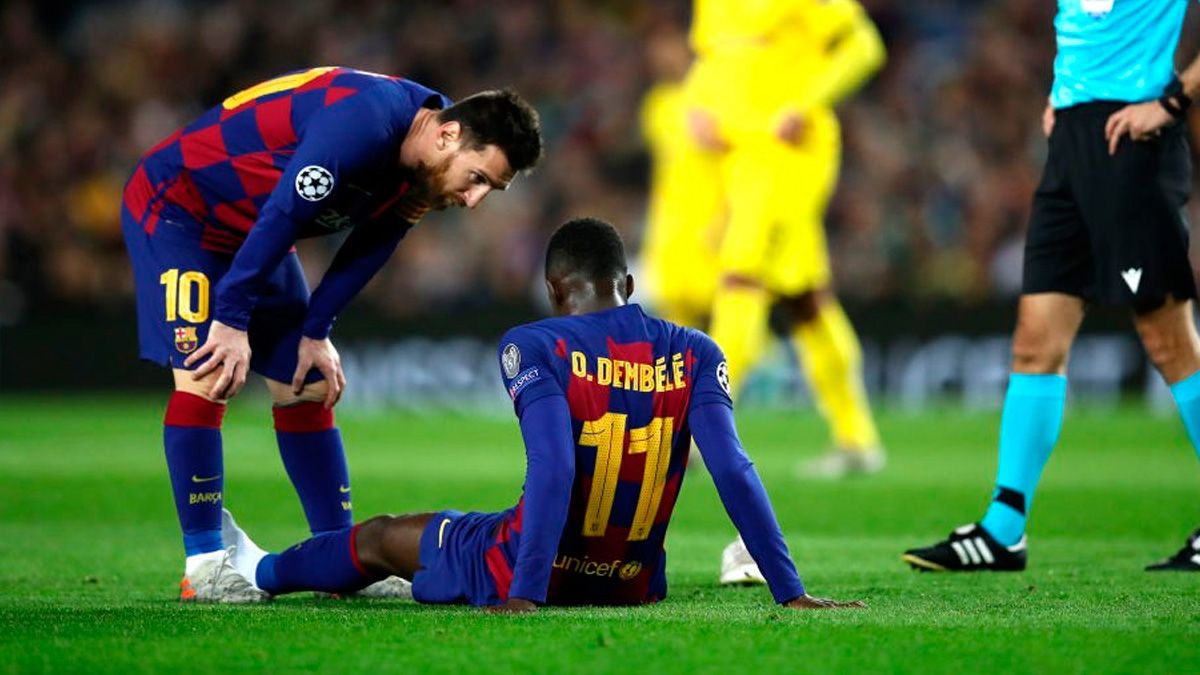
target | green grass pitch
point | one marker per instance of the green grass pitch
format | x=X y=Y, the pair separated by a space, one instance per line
x=90 y=554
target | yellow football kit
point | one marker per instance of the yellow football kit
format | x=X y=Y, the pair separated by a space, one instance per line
x=759 y=62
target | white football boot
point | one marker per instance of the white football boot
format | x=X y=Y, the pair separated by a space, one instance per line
x=843 y=463
x=737 y=567
x=247 y=554
x=220 y=581
x=392 y=587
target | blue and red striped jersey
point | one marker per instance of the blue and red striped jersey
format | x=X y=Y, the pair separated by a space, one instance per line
x=630 y=381
x=216 y=176
x=305 y=154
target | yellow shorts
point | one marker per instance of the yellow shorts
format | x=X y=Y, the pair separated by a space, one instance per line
x=777 y=198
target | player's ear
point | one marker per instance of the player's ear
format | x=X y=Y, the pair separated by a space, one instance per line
x=555 y=297
x=628 y=286
x=449 y=134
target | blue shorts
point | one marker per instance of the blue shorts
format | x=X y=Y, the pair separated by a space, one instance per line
x=453 y=568
x=174 y=280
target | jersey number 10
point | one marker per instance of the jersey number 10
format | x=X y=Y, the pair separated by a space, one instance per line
x=607 y=435
x=179 y=295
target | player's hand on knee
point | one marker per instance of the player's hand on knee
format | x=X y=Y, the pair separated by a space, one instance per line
x=229 y=349
x=512 y=606
x=1048 y=119
x=322 y=355
x=809 y=602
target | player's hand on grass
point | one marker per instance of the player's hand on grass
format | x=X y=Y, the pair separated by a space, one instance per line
x=229 y=349
x=512 y=606
x=809 y=602
x=705 y=130
x=1048 y=119
x=320 y=354
x=1141 y=122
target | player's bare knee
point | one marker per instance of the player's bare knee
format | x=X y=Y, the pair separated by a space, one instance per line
x=369 y=542
x=1038 y=363
x=1168 y=352
x=201 y=387
x=1038 y=354
x=392 y=544
x=1046 y=327
x=1168 y=335
x=282 y=394
x=1039 y=349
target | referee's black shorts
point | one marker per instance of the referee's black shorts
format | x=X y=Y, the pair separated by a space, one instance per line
x=1110 y=229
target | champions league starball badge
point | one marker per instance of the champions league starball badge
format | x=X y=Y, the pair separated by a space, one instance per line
x=723 y=376
x=510 y=360
x=314 y=183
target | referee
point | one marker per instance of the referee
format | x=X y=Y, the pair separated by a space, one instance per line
x=1107 y=226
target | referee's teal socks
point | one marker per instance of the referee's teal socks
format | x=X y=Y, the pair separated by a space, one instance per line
x=1029 y=427
x=1187 y=399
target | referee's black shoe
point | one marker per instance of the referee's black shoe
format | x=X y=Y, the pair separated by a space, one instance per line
x=968 y=549
x=1186 y=560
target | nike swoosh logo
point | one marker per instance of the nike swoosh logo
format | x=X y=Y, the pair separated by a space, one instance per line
x=197 y=479
x=442 y=531
x=344 y=489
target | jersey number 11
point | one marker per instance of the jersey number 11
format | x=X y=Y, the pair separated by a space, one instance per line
x=607 y=435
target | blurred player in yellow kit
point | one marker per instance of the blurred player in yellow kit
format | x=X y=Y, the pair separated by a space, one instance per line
x=763 y=87
x=687 y=212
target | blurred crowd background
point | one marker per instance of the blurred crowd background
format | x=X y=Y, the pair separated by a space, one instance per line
x=942 y=150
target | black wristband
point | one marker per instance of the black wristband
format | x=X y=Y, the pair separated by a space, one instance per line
x=1174 y=100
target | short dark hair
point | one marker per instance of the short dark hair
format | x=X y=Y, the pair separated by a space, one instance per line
x=589 y=247
x=502 y=118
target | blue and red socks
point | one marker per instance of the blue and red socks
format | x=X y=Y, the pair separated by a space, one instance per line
x=311 y=448
x=1029 y=428
x=309 y=444
x=192 y=440
x=327 y=562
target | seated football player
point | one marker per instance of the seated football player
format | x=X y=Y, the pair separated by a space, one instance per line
x=608 y=399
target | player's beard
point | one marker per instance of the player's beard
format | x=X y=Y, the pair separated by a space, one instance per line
x=429 y=185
